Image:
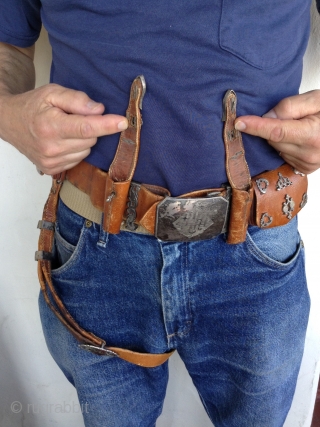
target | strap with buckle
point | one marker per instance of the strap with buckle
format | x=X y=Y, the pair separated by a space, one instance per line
x=118 y=175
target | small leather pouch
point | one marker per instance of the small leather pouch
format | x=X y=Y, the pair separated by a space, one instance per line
x=278 y=196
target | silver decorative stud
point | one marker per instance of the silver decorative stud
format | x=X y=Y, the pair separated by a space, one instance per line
x=262 y=185
x=288 y=206
x=265 y=220
x=282 y=182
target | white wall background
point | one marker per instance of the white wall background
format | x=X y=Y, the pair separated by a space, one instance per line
x=29 y=379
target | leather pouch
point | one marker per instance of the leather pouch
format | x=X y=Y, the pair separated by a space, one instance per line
x=278 y=196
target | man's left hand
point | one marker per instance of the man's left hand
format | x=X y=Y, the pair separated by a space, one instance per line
x=292 y=128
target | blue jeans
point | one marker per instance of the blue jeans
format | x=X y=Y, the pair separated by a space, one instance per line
x=237 y=315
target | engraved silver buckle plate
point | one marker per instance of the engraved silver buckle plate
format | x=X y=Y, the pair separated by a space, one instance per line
x=188 y=220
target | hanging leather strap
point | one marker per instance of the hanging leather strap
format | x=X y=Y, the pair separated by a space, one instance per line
x=124 y=163
x=238 y=173
x=118 y=180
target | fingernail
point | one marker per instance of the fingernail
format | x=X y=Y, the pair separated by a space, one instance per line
x=92 y=105
x=240 y=125
x=123 y=125
x=270 y=115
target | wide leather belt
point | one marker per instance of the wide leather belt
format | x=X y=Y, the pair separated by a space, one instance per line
x=270 y=199
x=193 y=216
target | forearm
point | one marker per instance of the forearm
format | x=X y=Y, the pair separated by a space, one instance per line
x=17 y=73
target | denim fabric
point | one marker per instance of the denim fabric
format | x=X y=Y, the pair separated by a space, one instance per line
x=237 y=314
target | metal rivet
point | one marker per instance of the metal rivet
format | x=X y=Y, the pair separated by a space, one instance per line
x=109 y=198
x=88 y=223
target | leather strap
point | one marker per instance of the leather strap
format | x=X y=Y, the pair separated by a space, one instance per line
x=124 y=163
x=236 y=166
x=238 y=173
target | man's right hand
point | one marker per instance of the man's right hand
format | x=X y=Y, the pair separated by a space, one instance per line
x=55 y=127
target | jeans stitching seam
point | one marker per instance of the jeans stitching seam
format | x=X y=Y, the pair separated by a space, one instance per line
x=254 y=250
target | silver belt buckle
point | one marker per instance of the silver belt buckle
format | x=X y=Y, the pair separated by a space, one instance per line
x=188 y=220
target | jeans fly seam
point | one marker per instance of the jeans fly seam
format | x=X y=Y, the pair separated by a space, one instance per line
x=162 y=296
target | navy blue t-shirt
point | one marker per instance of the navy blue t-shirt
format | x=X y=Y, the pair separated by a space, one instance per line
x=190 y=53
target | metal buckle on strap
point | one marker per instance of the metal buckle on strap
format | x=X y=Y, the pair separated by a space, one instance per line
x=46 y=225
x=100 y=351
x=43 y=256
x=188 y=220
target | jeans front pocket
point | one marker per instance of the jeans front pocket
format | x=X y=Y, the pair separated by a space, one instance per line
x=277 y=247
x=69 y=238
x=64 y=250
x=264 y=33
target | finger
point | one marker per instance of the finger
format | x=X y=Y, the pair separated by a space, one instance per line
x=53 y=151
x=280 y=131
x=72 y=101
x=66 y=147
x=296 y=107
x=72 y=126
x=59 y=169
x=52 y=166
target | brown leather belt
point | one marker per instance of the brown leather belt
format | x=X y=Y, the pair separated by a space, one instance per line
x=269 y=199
x=193 y=216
